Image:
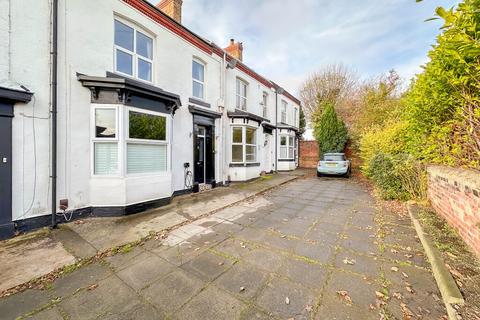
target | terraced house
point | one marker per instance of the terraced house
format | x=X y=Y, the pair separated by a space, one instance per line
x=119 y=112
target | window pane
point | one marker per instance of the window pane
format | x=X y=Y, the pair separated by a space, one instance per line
x=144 y=46
x=283 y=141
x=105 y=123
x=198 y=71
x=106 y=158
x=250 y=153
x=144 y=70
x=283 y=152
x=197 y=89
x=143 y=158
x=290 y=141
x=124 y=62
x=290 y=153
x=123 y=36
x=250 y=136
x=237 y=153
x=237 y=135
x=147 y=127
x=243 y=103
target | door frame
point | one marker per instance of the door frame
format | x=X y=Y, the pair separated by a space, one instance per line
x=8 y=99
x=209 y=124
x=197 y=136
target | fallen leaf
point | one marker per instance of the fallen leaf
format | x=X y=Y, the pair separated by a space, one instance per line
x=242 y=289
x=393 y=251
x=380 y=295
x=308 y=308
x=345 y=296
x=394 y=269
x=372 y=307
x=349 y=261
x=397 y=295
x=408 y=256
x=409 y=289
x=92 y=287
x=287 y=300
x=404 y=275
x=407 y=313
x=221 y=263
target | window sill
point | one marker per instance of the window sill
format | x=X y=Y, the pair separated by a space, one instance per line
x=241 y=165
x=286 y=160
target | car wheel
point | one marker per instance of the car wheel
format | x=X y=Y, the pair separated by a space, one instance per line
x=319 y=174
x=347 y=175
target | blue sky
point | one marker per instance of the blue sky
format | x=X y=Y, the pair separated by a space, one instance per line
x=285 y=40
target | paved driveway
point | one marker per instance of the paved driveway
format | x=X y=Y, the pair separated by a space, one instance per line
x=312 y=249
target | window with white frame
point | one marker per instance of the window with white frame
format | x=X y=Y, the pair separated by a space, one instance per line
x=291 y=146
x=264 y=104
x=105 y=142
x=146 y=142
x=244 y=147
x=198 y=79
x=287 y=147
x=284 y=111
x=133 y=52
x=241 y=94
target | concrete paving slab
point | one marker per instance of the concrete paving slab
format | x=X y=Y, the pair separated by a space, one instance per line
x=286 y=299
x=173 y=291
x=208 y=266
x=112 y=296
x=304 y=272
x=144 y=271
x=23 y=303
x=242 y=280
x=79 y=279
x=30 y=256
x=48 y=314
x=211 y=304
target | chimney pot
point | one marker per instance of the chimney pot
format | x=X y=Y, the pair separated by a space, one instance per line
x=172 y=8
x=235 y=49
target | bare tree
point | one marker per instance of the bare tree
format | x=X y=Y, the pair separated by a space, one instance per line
x=334 y=83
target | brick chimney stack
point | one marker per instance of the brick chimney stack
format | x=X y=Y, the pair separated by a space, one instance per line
x=235 y=49
x=172 y=8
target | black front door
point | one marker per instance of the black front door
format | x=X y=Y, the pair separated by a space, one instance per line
x=200 y=144
x=6 y=225
x=204 y=158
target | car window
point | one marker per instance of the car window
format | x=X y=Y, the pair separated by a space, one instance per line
x=334 y=157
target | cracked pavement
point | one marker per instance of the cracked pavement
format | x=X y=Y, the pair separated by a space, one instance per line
x=311 y=249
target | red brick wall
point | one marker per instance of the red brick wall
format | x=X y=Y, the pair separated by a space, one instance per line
x=308 y=154
x=455 y=194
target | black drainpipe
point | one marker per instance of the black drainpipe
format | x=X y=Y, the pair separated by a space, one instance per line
x=54 y=110
x=276 y=129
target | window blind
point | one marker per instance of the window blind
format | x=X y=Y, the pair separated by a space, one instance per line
x=143 y=158
x=106 y=158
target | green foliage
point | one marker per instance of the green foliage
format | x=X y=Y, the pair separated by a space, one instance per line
x=397 y=176
x=330 y=131
x=436 y=121
x=302 y=124
x=443 y=103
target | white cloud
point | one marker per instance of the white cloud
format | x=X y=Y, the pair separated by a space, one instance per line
x=286 y=40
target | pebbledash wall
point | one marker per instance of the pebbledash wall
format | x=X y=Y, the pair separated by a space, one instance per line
x=455 y=194
x=86 y=43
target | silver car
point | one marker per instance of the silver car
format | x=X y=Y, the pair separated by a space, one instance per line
x=334 y=164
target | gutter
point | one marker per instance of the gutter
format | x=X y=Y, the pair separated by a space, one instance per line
x=54 y=54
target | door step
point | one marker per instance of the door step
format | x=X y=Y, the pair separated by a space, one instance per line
x=204 y=187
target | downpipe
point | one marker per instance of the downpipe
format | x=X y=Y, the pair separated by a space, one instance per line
x=54 y=54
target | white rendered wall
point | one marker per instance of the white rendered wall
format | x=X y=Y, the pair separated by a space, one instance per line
x=86 y=33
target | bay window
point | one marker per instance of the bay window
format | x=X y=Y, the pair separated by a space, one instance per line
x=241 y=94
x=133 y=52
x=198 y=79
x=143 y=148
x=244 y=146
x=146 y=143
x=105 y=142
x=287 y=147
